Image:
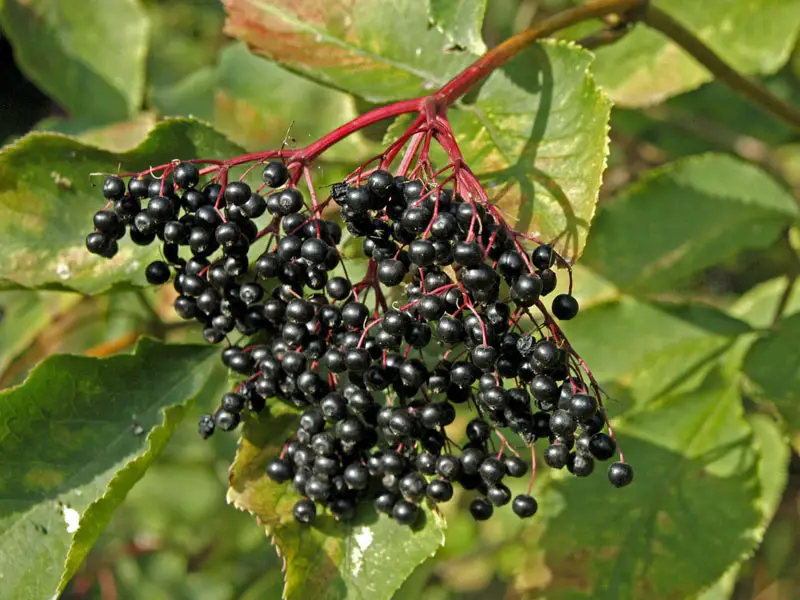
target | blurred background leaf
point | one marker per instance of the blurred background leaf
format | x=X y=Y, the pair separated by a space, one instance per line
x=644 y=68
x=93 y=67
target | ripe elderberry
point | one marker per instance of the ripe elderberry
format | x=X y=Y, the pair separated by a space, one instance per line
x=447 y=310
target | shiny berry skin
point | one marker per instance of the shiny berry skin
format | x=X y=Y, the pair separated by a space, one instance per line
x=549 y=281
x=186 y=175
x=391 y=272
x=515 y=466
x=305 y=511
x=157 y=272
x=492 y=470
x=233 y=402
x=226 y=421
x=97 y=242
x=426 y=463
x=595 y=424
x=448 y=466
x=565 y=307
x=440 y=490
x=524 y=506
x=546 y=353
x=602 y=446
x=582 y=407
x=356 y=476
x=556 y=456
x=413 y=486
x=580 y=465
x=405 y=512
x=275 y=174
x=498 y=495
x=385 y=502
x=279 y=470
x=543 y=257
x=380 y=183
x=471 y=459
x=113 y=188
x=562 y=423
x=481 y=509
x=620 y=474
x=526 y=289
x=478 y=430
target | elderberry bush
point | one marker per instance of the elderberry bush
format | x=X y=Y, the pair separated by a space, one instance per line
x=454 y=309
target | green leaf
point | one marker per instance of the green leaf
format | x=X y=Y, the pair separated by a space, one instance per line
x=89 y=55
x=536 y=134
x=774 y=455
x=259 y=105
x=758 y=305
x=365 y=560
x=194 y=31
x=116 y=137
x=47 y=200
x=461 y=21
x=360 y=47
x=641 y=350
x=773 y=367
x=753 y=36
x=70 y=452
x=696 y=471
x=24 y=315
x=683 y=218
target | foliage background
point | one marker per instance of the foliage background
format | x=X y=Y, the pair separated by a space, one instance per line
x=683 y=274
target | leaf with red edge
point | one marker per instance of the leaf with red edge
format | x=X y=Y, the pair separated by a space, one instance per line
x=378 y=50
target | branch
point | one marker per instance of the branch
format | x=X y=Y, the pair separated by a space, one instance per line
x=499 y=55
x=606 y=36
x=662 y=22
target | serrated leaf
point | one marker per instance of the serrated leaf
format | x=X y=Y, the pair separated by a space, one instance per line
x=641 y=350
x=461 y=21
x=121 y=136
x=696 y=471
x=683 y=218
x=773 y=367
x=47 y=200
x=645 y=67
x=69 y=445
x=364 y=560
x=89 y=55
x=362 y=47
x=536 y=134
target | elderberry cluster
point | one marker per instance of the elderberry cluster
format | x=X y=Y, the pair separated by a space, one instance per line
x=442 y=317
